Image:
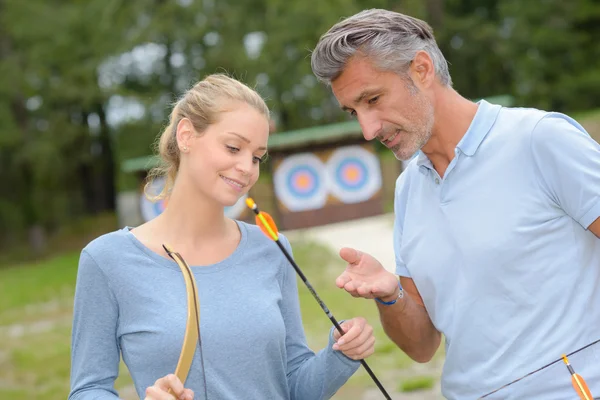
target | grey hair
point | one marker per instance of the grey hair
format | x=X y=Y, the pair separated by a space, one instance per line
x=388 y=38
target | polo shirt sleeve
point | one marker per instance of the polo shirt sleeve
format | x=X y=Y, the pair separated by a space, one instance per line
x=399 y=212
x=568 y=166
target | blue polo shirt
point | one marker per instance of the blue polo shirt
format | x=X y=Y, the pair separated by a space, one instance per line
x=500 y=252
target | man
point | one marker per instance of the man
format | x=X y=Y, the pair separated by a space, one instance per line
x=497 y=218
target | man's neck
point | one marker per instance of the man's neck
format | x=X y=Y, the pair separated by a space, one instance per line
x=453 y=116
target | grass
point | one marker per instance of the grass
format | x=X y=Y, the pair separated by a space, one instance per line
x=38 y=282
x=36 y=310
x=321 y=267
x=417 y=383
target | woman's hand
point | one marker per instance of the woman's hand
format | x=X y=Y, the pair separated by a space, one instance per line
x=168 y=388
x=358 y=341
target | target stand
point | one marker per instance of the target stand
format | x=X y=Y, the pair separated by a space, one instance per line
x=318 y=175
x=326 y=178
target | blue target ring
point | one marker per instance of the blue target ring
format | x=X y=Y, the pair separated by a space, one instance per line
x=300 y=182
x=351 y=174
x=303 y=181
x=160 y=206
x=354 y=174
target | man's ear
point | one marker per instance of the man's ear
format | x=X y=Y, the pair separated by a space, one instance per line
x=422 y=69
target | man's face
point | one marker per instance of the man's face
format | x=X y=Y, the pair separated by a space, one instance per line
x=389 y=107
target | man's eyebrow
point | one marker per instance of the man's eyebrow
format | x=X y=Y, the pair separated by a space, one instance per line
x=365 y=93
x=245 y=139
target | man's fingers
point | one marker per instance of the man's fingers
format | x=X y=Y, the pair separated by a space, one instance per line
x=364 y=290
x=350 y=255
x=342 y=280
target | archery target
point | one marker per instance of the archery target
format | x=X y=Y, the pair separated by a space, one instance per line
x=236 y=210
x=151 y=209
x=354 y=174
x=300 y=182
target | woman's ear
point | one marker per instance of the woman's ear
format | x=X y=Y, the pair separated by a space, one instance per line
x=185 y=133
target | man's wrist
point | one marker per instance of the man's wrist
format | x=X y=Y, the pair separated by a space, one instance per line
x=393 y=298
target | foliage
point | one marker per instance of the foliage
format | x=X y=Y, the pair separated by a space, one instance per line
x=86 y=85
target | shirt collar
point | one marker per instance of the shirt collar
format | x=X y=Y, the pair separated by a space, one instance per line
x=482 y=123
x=485 y=117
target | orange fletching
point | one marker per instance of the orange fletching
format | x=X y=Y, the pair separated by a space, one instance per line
x=267 y=225
x=579 y=385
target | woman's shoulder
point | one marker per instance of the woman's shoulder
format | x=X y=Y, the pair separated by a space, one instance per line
x=110 y=248
x=259 y=238
x=108 y=242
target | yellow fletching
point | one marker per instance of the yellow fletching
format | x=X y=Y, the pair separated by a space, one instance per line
x=250 y=202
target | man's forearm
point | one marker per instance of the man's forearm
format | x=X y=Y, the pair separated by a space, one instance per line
x=408 y=325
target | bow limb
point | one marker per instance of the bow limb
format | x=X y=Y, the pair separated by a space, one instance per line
x=192 y=329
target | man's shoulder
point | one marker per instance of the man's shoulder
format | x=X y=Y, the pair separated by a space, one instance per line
x=519 y=118
x=528 y=119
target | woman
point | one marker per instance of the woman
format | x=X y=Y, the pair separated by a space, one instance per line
x=130 y=296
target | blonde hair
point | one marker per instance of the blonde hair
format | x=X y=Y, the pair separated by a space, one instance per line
x=202 y=105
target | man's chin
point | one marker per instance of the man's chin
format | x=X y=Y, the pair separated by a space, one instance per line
x=402 y=154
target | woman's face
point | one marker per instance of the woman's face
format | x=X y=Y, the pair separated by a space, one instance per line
x=222 y=163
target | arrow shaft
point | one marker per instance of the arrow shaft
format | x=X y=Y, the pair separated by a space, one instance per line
x=329 y=314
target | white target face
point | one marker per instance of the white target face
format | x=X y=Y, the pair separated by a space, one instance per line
x=150 y=209
x=354 y=174
x=236 y=210
x=301 y=182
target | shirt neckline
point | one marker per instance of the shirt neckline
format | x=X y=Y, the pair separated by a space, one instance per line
x=230 y=260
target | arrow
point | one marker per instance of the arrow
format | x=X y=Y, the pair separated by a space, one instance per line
x=579 y=384
x=538 y=370
x=267 y=226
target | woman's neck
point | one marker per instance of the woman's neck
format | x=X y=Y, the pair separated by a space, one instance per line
x=191 y=219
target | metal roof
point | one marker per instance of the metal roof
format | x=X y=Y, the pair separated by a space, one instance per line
x=277 y=141
x=298 y=138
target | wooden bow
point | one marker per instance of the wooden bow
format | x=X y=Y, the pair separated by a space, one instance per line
x=192 y=329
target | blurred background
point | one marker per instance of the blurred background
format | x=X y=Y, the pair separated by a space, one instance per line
x=86 y=86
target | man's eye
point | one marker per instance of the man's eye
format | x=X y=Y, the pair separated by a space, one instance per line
x=373 y=100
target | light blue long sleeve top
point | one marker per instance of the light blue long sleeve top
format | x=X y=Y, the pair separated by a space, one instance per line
x=131 y=302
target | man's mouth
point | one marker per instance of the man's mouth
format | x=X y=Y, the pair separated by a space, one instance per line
x=390 y=139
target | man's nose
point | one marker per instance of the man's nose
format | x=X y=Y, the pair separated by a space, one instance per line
x=369 y=125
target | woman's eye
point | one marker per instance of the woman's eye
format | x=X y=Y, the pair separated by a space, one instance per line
x=353 y=113
x=257 y=160
x=232 y=149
